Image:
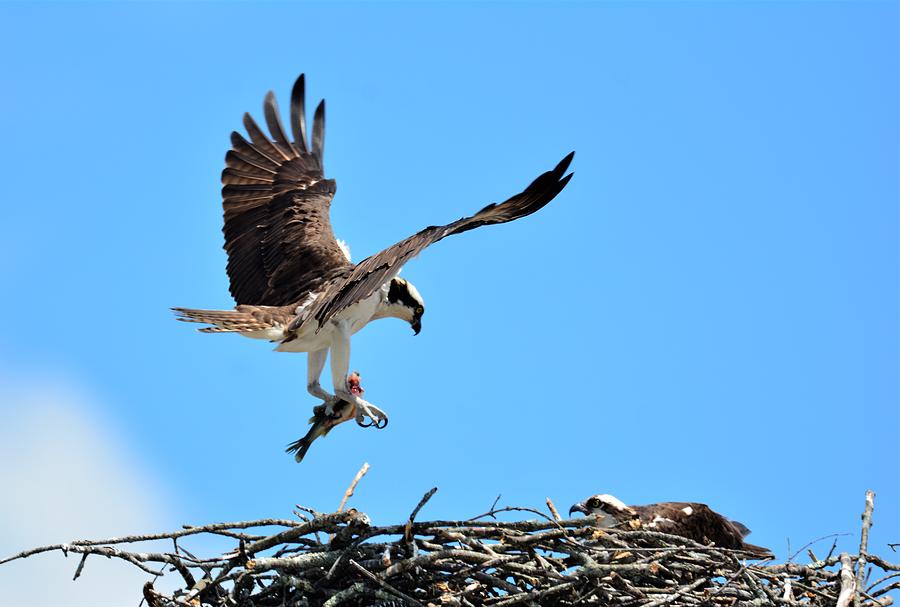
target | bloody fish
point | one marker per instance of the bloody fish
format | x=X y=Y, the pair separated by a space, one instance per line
x=322 y=423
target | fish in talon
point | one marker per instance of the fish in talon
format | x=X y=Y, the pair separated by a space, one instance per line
x=354 y=385
x=322 y=422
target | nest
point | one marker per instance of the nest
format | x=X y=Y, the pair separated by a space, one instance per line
x=342 y=559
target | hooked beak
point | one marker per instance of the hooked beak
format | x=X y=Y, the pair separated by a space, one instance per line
x=416 y=326
x=579 y=507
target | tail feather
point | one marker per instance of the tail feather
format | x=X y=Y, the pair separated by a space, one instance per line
x=759 y=552
x=742 y=528
x=223 y=321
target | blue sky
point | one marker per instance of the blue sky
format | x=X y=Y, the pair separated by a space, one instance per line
x=708 y=312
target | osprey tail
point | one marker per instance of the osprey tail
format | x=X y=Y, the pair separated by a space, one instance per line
x=758 y=552
x=223 y=321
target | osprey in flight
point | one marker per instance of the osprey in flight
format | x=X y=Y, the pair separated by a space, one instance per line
x=687 y=519
x=292 y=280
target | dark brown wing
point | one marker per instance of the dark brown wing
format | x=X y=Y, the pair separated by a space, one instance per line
x=695 y=521
x=276 y=200
x=373 y=272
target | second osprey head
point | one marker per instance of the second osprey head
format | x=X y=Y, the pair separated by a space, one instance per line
x=609 y=509
x=403 y=301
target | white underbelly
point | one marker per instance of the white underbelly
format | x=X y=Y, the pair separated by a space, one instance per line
x=308 y=340
x=271 y=334
x=360 y=314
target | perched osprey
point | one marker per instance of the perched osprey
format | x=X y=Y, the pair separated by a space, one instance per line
x=687 y=519
x=292 y=280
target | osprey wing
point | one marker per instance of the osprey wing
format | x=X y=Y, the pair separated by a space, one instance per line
x=724 y=532
x=696 y=521
x=374 y=271
x=276 y=200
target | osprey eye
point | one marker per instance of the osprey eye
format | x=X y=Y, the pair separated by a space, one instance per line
x=419 y=310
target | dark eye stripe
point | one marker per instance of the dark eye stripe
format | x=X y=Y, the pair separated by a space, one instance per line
x=399 y=293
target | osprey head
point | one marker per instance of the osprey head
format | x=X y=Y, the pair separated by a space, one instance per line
x=608 y=508
x=404 y=301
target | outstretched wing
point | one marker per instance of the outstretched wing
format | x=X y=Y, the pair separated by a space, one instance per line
x=373 y=272
x=276 y=201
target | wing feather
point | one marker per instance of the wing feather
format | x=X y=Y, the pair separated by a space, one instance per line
x=252 y=153
x=298 y=114
x=373 y=272
x=276 y=203
x=232 y=176
x=235 y=160
x=261 y=142
x=318 y=138
x=276 y=129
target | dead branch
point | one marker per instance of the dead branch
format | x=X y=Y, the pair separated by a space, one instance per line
x=349 y=493
x=864 y=544
x=848 y=582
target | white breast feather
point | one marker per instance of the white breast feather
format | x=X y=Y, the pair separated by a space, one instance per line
x=345 y=249
x=311 y=297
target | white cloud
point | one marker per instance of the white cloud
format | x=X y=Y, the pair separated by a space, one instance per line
x=65 y=475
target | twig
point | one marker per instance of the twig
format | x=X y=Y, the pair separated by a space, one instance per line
x=349 y=493
x=188 y=530
x=535 y=594
x=368 y=574
x=80 y=566
x=553 y=510
x=864 y=544
x=814 y=542
x=490 y=511
x=681 y=592
x=407 y=532
x=848 y=582
x=877 y=560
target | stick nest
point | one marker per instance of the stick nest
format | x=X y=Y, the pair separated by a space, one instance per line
x=342 y=559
